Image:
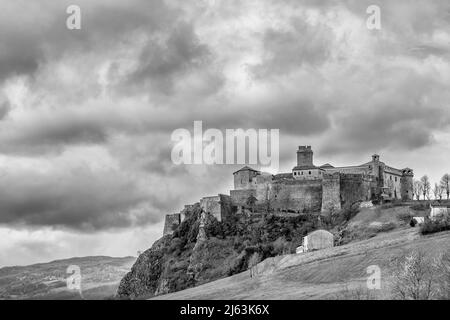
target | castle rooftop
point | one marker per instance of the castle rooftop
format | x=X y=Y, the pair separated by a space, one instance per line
x=246 y=168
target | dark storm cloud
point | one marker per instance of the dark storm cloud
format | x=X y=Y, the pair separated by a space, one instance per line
x=287 y=51
x=403 y=117
x=33 y=34
x=78 y=199
x=160 y=63
x=52 y=132
x=291 y=115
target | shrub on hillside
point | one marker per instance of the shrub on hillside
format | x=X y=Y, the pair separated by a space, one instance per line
x=404 y=217
x=346 y=214
x=359 y=293
x=387 y=205
x=385 y=227
x=433 y=226
x=281 y=246
x=422 y=206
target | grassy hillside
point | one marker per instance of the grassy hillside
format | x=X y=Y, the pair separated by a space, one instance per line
x=327 y=274
x=100 y=279
x=379 y=236
x=180 y=261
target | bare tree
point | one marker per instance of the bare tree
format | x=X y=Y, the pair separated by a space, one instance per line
x=417 y=189
x=437 y=191
x=426 y=187
x=440 y=192
x=414 y=278
x=445 y=184
x=253 y=262
x=443 y=265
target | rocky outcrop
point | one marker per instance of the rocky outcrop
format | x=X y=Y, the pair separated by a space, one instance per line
x=164 y=267
x=196 y=263
x=144 y=277
x=203 y=249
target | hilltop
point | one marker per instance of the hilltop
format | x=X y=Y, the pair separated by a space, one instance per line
x=338 y=273
x=224 y=250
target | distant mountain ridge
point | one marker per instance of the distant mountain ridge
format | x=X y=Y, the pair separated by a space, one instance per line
x=100 y=276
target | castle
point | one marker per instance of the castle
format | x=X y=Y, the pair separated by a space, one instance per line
x=307 y=188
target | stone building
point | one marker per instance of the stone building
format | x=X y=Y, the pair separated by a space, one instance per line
x=318 y=240
x=171 y=223
x=322 y=188
x=308 y=188
x=438 y=211
x=219 y=206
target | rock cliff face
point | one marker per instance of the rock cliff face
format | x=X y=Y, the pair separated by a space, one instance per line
x=203 y=249
x=144 y=277
x=164 y=267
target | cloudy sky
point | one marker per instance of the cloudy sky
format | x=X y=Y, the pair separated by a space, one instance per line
x=86 y=115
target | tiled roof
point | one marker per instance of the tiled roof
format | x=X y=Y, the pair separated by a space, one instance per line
x=305 y=167
x=246 y=168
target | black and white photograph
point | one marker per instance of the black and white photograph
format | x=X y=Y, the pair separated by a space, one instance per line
x=236 y=151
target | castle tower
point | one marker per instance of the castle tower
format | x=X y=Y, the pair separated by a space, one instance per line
x=406 y=184
x=305 y=169
x=304 y=156
x=243 y=178
x=378 y=173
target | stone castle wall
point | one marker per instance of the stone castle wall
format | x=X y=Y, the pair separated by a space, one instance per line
x=331 y=193
x=355 y=187
x=219 y=206
x=296 y=195
x=212 y=205
x=226 y=206
x=239 y=197
x=172 y=222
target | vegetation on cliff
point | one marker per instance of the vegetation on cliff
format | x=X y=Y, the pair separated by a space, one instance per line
x=203 y=249
x=180 y=261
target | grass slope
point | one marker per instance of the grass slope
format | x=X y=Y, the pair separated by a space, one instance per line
x=330 y=273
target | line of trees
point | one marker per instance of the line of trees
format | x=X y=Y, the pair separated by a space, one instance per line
x=423 y=189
